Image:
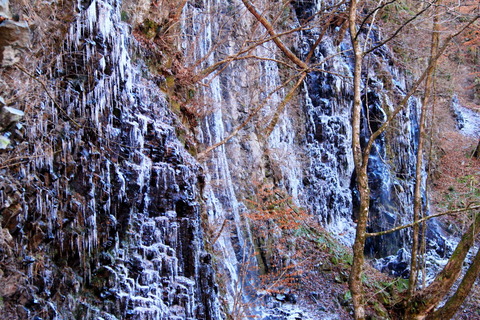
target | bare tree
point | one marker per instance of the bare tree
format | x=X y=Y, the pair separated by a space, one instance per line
x=433 y=294
x=361 y=48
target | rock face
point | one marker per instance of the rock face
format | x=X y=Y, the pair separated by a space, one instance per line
x=468 y=121
x=9 y=116
x=309 y=151
x=106 y=215
x=14 y=35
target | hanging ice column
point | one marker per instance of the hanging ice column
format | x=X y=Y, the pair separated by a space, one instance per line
x=126 y=218
x=328 y=98
x=234 y=168
x=327 y=105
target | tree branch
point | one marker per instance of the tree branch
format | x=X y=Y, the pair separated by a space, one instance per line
x=454 y=303
x=381 y=233
x=410 y=93
x=245 y=122
x=237 y=56
x=282 y=106
x=393 y=35
x=290 y=55
x=374 y=11
x=427 y=299
x=44 y=86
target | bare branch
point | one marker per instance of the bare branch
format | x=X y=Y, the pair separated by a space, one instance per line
x=322 y=33
x=221 y=64
x=290 y=55
x=393 y=35
x=244 y=123
x=44 y=86
x=415 y=86
x=374 y=11
x=452 y=212
x=282 y=106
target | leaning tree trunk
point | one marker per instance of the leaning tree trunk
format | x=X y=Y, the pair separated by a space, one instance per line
x=452 y=305
x=424 y=303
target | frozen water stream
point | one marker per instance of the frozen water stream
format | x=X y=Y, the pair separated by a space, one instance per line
x=114 y=196
x=120 y=198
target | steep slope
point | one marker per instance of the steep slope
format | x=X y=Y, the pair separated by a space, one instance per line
x=113 y=205
x=100 y=212
x=309 y=151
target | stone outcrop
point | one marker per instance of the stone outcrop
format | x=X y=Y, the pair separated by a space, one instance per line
x=106 y=213
x=14 y=36
x=102 y=202
x=9 y=116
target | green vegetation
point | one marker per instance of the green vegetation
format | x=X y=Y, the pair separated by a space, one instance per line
x=465 y=192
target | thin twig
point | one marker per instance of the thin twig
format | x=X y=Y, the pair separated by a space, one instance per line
x=55 y=103
x=252 y=114
x=381 y=233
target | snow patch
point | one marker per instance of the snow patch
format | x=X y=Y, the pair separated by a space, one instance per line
x=468 y=121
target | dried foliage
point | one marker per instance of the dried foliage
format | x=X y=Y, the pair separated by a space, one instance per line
x=275 y=223
x=457 y=72
x=298 y=256
x=157 y=39
x=457 y=179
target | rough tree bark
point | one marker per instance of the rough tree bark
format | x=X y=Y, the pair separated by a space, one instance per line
x=361 y=156
x=476 y=153
x=355 y=281
x=452 y=305
x=361 y=162
x=423 y=304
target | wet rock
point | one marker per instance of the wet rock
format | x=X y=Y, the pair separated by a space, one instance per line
x=4 y=142
x=9 y=116
x=23 y=312
x=341 y=277
x=280 y=297
x=28 y=260
x=5 y=237
x=395 y=265
x=14 y=35
x=5 y=9
x=467 y=120
x=10 y=285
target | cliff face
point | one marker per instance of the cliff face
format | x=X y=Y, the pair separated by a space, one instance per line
x=101 y=217
x=104 y=212
x=308 y=153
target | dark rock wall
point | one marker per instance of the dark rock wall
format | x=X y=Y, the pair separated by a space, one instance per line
x=101 y=219
x=103 y=211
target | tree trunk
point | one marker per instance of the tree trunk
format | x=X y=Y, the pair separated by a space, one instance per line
x=417 y=202
x=452 y=305
x=425 y=301
x=355 y=281
x=476 y=153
